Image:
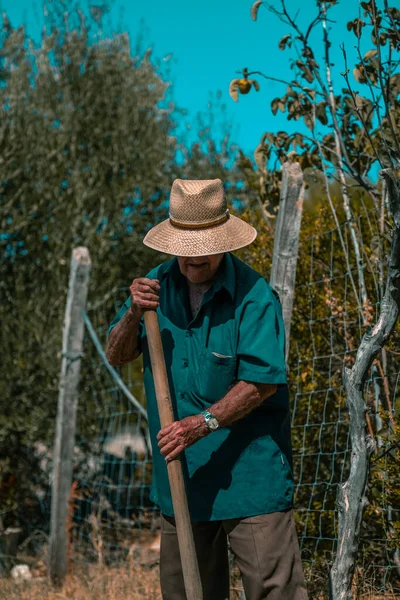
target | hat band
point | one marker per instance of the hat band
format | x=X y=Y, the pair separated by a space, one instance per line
x=200 y=225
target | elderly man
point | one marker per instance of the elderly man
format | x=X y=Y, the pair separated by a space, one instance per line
x=223 y=338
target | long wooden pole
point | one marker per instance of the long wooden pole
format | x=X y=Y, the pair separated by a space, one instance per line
x=187 y=550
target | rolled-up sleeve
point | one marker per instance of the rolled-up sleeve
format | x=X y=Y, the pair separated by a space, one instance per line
x=261 y=342
x=121 y=313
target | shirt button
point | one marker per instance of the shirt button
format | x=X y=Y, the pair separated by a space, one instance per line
x=189 y=333
x=182 y=395
x=185 y=362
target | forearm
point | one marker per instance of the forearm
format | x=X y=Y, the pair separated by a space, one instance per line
x=244 y=397
x=236 y=404
x=122 y=345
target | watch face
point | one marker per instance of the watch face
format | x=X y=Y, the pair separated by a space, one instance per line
x=213 y=423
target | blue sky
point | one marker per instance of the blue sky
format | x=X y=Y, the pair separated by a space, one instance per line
x=209 y=41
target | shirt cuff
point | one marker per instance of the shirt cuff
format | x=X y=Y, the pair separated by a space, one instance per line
x=265 y=376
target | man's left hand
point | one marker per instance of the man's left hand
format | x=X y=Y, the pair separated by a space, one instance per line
x=176 y=437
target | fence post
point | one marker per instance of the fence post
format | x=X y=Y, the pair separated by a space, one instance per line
x=286 y=240
x=66 y=411
x=351 y=498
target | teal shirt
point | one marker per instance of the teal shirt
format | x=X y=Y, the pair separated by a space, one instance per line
x=244 y=469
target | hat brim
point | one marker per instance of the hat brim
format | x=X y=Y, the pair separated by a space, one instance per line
x=225 y=237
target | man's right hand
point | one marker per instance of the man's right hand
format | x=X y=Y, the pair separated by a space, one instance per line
x=144 y=295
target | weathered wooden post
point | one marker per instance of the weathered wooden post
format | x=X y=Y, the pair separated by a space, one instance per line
x=66 y=412
x=8 y=548
x=351 y=498
x=286 y=240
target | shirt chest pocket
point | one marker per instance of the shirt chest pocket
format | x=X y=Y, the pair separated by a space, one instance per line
x=216 y=373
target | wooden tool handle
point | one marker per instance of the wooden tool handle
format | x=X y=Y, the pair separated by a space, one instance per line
x=187 y=550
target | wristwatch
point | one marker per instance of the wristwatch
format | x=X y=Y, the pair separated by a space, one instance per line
x=211 y=421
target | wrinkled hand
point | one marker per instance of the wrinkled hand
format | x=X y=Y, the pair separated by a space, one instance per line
x=178 y=436
x=144 y=295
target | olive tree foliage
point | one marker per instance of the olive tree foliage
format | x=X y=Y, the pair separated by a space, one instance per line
x=85 y=160
x=87 y=157
x=353 y=123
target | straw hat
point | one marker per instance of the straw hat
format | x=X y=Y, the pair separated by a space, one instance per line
x=199 y=222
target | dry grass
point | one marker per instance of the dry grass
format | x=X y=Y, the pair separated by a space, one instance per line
x=125 y=582
x=138 y=578
x=364 y=588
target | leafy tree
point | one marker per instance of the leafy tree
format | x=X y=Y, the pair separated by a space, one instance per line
x=350 y=134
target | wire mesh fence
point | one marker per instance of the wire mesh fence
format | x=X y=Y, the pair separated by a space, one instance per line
x=111 y=512
x=327 y=329
x=110 y=506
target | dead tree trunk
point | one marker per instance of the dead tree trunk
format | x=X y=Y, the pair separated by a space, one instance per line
x=286 y=241
x=66 y=412
x=351 y=498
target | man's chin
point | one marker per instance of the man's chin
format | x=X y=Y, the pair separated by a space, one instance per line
x=197 y=278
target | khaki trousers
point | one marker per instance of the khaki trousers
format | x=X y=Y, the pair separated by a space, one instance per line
x=266 y=551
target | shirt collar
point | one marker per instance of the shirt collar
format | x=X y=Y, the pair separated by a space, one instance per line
x=226 y=277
